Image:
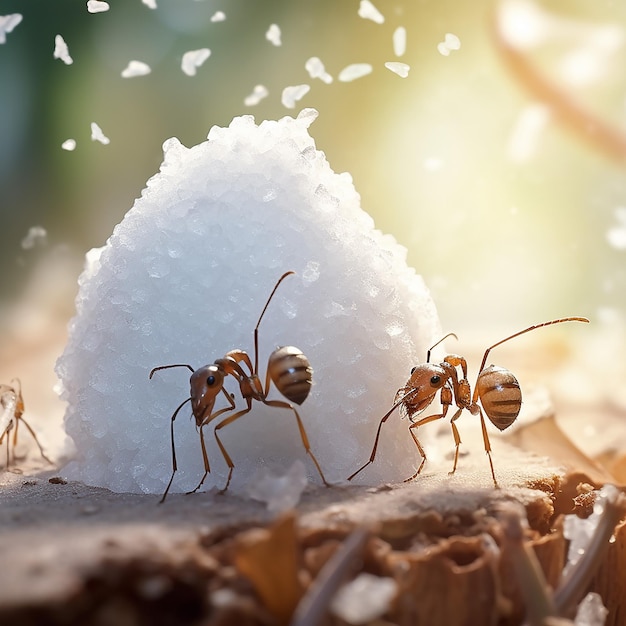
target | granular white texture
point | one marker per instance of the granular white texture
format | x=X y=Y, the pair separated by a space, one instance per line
x=183 y=279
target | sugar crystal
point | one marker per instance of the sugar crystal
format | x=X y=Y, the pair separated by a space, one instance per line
x=7 y=24
x=218 y=16
x=616 y=235
x=451 y=42
x=69 y=145
x=273 y=34
x=369 y=12
x=136 y=68
x=399 y=41
x=316 y=69
x=183 y=279
x=193 y=59
x=293 y=94
x=354 y=71
x=98 y=135
x=280 y=491
x=95 y=6
x=61 y=50
x=37 y=235
x=401 y=69
x=258 y=93
x=364 y=599
x=591 y=611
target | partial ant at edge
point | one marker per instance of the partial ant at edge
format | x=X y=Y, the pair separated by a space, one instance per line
x=12 y=404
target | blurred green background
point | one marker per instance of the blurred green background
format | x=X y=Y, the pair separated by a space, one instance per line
x=509 y=225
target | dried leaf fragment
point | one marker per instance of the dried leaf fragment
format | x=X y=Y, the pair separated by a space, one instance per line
x=269 y=558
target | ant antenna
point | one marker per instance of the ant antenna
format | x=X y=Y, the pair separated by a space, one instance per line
x=440 y=341
x=527 y=330
x=256 y=328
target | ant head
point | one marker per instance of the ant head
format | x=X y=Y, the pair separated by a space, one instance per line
x=425 y=381
x=206 y=382
x=429 y=377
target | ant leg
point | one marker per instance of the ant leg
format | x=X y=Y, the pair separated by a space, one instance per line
x=205 y=456
x=457 y=439
x=205 y=460
x=303 y=435
x=8 y=436
x=32 y=432
x=415 y=426
x=174 y=466
x=488 y=447
x=380 y=425
x=229 y=420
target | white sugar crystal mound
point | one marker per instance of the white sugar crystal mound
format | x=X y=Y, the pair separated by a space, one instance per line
x=183 y=279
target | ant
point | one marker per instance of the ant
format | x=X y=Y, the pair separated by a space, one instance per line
x=12 y=403
x=497 y=389
x=288 y=368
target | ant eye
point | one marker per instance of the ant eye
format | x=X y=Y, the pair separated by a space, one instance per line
x=435 y=380
x=210 y=381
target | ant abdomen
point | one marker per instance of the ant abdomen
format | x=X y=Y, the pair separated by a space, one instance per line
x=291 y=372
x=500 y=395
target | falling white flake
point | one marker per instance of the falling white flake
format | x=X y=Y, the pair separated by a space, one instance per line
x=292 y=94
x=193 y=59
x=61 y=50
x=95 y=6
x=401 y=69
x=151 y=4
x=258 y=93
x=273 y=34
x=451 y=42
x=316 y=69
x=69 y=145
x=399 y=41
x=98 y=135
x=354 y=71
x=218 y=16
x=136 y=68
x=7 y=24
x=37 y=236
x=369 y=12
x=364 y=599
x=616 y=235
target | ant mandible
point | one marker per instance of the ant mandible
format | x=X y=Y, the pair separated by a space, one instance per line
x=497 y=389
x=12 y=403
x=288 y=368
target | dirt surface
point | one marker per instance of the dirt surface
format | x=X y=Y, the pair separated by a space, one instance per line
x=60 y=542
